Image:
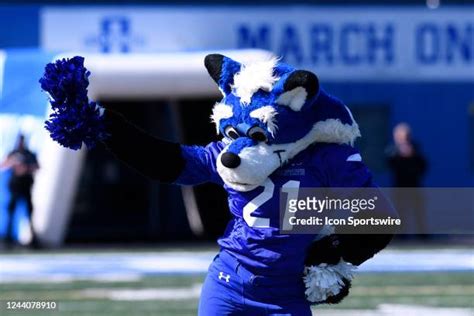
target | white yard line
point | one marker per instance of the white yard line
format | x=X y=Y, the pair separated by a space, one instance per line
x=193 y=292
x=86 y=266
x=150 y=294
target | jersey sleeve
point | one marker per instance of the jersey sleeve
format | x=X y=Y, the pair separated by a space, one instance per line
x=159 y=159
x=200 y=164
x=344 y=167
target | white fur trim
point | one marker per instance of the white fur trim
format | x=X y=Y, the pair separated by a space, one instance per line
x=267 y=115
x=295 y=99
x=256 y=164
x=252 y=77
x=260 y=161
x=219 y=112
x=334 y=131
x=226 y=140
x=325 y=280
x=354 y=157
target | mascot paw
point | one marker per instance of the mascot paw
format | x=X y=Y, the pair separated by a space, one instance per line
x=325 y=250
x=75 y=119
x=328 y=284
x=343 y=292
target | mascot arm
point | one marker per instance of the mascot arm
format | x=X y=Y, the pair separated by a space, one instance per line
x=200 y=164
x=154 y=158
x=346 y=169
x=76 y=120
x=160 y=159
x=331 y=259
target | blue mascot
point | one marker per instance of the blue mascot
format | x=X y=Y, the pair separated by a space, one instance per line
x=279 y=130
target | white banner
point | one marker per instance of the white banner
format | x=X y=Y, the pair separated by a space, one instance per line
x=339 y=43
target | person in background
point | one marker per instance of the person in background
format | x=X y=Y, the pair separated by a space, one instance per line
x=408 y=167
x=405 y=160
x=23 y=164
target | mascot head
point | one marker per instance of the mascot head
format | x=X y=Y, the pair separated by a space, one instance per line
x=269 y=113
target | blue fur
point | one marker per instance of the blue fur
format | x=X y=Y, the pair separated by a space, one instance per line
x=240 y=143
x=200 y=162
x=282 y=69
x=328 y=106
x=75 y=119
x=243 y=128
x=229 y=69
x=292 y=125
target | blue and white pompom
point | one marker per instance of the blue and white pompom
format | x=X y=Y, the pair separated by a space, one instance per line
x=325 y=280
x=75 y=119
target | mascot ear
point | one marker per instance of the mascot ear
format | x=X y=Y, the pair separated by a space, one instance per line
x=300 y=86
x=222 y=69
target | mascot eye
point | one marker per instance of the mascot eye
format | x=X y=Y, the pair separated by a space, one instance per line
x=231 y=132
x=258 y=134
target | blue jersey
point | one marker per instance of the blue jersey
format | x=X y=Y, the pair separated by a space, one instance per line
x=253 y=236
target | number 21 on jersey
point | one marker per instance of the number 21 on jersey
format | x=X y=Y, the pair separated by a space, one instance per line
x=268 y=192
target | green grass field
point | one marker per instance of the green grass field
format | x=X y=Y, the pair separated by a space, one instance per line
x=178 y=295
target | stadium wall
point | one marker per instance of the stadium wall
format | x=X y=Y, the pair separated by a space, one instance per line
x=417 y=67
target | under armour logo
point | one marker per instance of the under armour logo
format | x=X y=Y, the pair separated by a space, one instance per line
x=225 y=277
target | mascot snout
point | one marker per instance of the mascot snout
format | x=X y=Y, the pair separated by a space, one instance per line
x=245 y=164
x=230 y=160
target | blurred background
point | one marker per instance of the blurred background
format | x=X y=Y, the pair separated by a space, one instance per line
x=105 y=236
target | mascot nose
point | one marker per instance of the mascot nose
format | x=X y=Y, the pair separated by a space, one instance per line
x=230 y=160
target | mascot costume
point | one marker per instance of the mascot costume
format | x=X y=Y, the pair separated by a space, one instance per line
x=280 y=130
